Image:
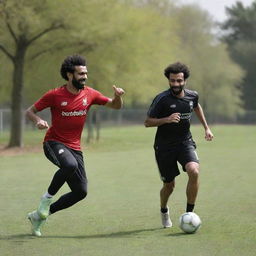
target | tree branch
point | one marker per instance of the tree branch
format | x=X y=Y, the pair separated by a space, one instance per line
x=6 y=52
x=86 y=47
x=36 y=55
x=45 y=31
x=11 y=30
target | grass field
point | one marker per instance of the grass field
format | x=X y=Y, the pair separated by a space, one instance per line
x=120 y=216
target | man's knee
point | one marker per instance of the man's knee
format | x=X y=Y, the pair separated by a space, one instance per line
x=70 y=168
x=192 y=170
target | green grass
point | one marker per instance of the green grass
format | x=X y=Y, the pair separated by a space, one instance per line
x=120 y=216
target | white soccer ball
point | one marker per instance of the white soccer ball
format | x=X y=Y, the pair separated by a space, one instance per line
x=189 y=222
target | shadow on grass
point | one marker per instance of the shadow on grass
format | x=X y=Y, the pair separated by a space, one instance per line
x=18 y=238
x=109 y=235
x=22 y=237
x=180 y=234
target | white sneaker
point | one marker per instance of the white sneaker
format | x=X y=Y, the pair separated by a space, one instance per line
x=166 y=221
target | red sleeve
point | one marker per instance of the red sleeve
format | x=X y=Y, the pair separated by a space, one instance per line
x=99 y=98
x=45 y=101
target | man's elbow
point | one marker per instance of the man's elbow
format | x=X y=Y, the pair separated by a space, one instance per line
x=30 y=111
x=146 y=123
x=114 y=105
x=27 y=112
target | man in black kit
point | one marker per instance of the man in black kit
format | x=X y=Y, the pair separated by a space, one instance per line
x=171 y=112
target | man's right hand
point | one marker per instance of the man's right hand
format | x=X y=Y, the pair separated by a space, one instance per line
x=42 y=125
x=173 y=118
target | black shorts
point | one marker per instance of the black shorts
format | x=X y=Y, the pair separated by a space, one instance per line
x=168 y=158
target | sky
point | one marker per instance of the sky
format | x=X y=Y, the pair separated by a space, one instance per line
x=216 y=8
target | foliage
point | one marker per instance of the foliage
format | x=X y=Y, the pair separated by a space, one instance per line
x=240 y=36
x=126 y=42
x=23 y=24
x=213 y=74
x=127 y=49
x=135 y=61
x=130 y=48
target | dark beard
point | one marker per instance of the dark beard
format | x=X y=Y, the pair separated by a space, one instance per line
x=77 y=84
x=177 y=92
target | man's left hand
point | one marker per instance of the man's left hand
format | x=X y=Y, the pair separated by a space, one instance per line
x=208 y=135
x=118 y=91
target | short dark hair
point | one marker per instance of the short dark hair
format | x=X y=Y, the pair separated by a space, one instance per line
x=176 y=68
x=69 y=64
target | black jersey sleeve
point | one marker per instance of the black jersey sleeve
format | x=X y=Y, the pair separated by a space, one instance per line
x=193 y=96
x=155 y=108
x=196 y=98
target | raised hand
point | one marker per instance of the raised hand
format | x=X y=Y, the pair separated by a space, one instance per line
x=118 y=91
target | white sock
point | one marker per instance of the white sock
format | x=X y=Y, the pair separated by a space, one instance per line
x=47 y=195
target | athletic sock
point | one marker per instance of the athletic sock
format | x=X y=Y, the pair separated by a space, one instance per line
x=164 y=210
x=190 y=207
x=47 y=195
x=36 y=216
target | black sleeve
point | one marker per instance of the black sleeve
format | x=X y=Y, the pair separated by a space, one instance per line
x=195 y=100
x=155 y=108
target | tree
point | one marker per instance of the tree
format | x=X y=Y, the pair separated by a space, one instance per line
x=240 y=35
x=196 y=45
x=213 y=74
x=30 y=29
x=130 y=48
x=19 y=33
x=134 y=59
x=118 y=47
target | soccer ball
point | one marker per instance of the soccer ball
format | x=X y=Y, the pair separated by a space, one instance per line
x=189 y=222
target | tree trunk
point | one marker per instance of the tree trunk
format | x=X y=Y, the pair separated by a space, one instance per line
x=93 y=125
x=97 y=123
x=89 y=124
x=16 y=97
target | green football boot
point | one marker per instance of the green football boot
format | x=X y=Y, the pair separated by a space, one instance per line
x=36 y=223
x=44 y=207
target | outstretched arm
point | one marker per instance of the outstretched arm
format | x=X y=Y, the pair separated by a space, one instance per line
x=200 y=114
x=31 y=115
x=117 y=101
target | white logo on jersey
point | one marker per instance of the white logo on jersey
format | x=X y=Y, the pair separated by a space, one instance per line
x=64 y=103
x=173 y=106
x=61 y=151
x=191 y=105
x=84 y=101
x=186 y=116
x=74 y=113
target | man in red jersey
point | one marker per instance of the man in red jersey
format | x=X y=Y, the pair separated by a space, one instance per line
x=69 y=105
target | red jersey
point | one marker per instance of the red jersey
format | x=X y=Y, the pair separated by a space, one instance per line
x=68 y=113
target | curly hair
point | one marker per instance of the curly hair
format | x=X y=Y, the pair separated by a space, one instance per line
x=69 y=64
x=176 y=68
